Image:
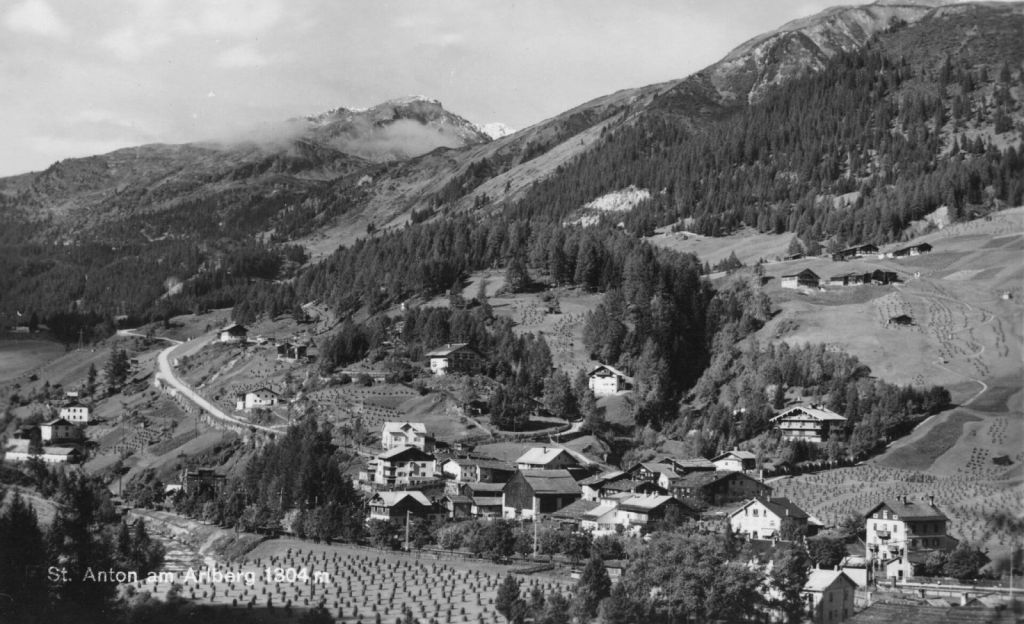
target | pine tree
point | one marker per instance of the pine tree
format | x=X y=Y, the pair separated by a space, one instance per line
x=508 y=595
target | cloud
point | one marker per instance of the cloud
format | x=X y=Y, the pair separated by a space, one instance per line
x=36 y=17
x=241 y=56
x=237 y=17
x=129 y=44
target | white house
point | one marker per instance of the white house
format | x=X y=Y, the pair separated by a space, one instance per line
x=546 y=458
x=392 y=506
x=57 y=430
x=829 y=596
x=233 y=333
x=810 y=423
x=402 y=465
x=258 y=398
x=901 y=529
x=605 y=380
x=18 y=451
x=75 y=412
x=396 y=434
x=735 y=461
x=456 y=357
x=764 y=518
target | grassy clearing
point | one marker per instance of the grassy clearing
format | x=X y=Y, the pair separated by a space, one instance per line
x=939 y=439
x=18 y=357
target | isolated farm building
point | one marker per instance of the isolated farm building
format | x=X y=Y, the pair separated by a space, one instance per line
x=533 y=492
x=846 y=279
x=804 y=279
x=546 y=458
x=290 y=352
x=233 y=333
x=901 y=526
x=902 y=319
x=75 y=412
x=913 y=250
x=882 y=278
x=396 y=434
x=394 y=506
x=766 y=518
x=858 y=251
x=202 y=478
x=829 y=596
x=58 y=430
x=735 y=460
x=456 y=357
x=718 y=488
x=403 y=465
x=810 y=423
x=605 y=380
x=258 y=398
x=591 y=486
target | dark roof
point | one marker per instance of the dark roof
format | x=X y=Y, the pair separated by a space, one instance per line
x=551 y=481
x=405 y=452
x=689 y=462
x=575 y=510
x=58 y=421
x=234 y=327
x=910 y=510
x=602 y=478
x=450 y=348
x=459 y=498
x=484 y=487
x=623 y=485
x=804 y=273
x=780 y=507
x=923 y=613
x=704 y=478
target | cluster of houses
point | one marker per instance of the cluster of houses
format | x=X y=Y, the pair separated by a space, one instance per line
x=56 y=441
x=811 y=280
x=287 y=351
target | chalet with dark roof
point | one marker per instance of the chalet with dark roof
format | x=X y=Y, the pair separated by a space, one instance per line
x=766 y=518
x=233 y=333
x=606 y=380
x=718 y=488
x=735 y=460
x=456 y=357
x=810 y=423
x=913 y=250
x=804 y=279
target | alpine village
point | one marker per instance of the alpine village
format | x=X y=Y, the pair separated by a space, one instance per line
x=744 y=346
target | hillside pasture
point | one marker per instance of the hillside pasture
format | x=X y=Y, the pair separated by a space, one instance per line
x=20 y=357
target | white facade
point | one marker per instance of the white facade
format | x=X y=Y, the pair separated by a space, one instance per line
x=605 y=381
x=59 y=429
x=261 y=398
x=399 y=434
x=75 y=413
x=764 y=519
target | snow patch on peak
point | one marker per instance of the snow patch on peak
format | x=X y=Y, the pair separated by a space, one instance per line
x=495 y=129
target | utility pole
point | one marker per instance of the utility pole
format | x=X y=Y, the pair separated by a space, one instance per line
x=408 y=513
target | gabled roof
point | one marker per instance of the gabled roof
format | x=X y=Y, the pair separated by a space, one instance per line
x=575 y=510
x=602 y=508
x=600 y=479
x=551 y=481
x=623 y=485
x=660 y=468
x=910 y=510
x=483 y=488
x=688 y=463
x=56 y=422
x=542 y=455
x=234 y=327
x=741 y=455
x=405 y=452
x=702 y=479
x=58 y=450
x=820 y=580
x=804 y=273
x=74 y=404
x=262 y=389
x=402 y=427
x=817 y=413
x=494 y=464
x=448 y=349
x=390 y=499
x=644 y=504
x=778 y=506
x=459 y=498
x=605 y=367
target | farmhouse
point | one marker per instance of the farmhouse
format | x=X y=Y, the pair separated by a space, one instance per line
x=546 y=458
x=804 y=279
x=399 y=433
x=903 y=320
x=233 y=333
x=288 y=352
x=485 y=499
x=913 y=250
x=473 y=470
x=393 y=506
x=201 y=478
x=846 y=279
x=688 y=465
x=533 y=492
x=646 y=510
x=735 y=460
x=403 y=465
x=901 y=526
x=258 y=398
x=653 y=472
x=574 y=513
x=75 y=412
x=58 y=430
x=882 y=278
x=718 y=488
x=858 y=251
x=810 y=423
x=20 y=451
x=456 y=357
x=605 y=380
x=764 y=518
x=591 y=486
x=829 y=596
x=626 y=485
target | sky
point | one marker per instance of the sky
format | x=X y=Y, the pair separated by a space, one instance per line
x=82 y=78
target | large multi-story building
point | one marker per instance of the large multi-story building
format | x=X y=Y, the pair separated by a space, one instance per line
x=902 y=532
x=810 y=423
